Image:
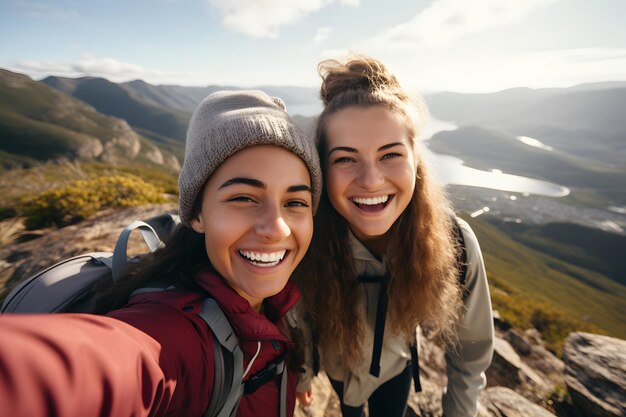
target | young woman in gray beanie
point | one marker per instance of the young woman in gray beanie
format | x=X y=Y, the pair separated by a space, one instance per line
x=249 y=187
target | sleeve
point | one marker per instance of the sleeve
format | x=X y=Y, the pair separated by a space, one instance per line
x=86 y=365
x=468 y=361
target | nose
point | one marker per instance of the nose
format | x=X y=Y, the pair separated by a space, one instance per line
x=370 y=177
x=271 y=225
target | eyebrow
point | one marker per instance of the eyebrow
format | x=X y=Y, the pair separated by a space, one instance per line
x=258 y=184
x=243 y=180
x=297 y=188
x=353 y=150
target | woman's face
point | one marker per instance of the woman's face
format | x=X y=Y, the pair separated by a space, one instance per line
x=371 y=168
x=257 y=220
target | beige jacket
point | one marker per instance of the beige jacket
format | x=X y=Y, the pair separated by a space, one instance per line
x=465 y=368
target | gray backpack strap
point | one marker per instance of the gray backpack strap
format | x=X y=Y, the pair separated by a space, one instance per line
x=120 y=257
x=164 y=224
x=225 y=335
x=153 y=286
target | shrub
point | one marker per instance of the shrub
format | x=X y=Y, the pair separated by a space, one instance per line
x=83 y=198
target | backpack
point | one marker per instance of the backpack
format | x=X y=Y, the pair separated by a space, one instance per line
x=65 y=287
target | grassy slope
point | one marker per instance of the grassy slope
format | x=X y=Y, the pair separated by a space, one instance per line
x=590 y=248
x=584 y=295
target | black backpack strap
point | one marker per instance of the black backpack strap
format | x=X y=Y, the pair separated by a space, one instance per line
x=415 y=367
x=381 y=317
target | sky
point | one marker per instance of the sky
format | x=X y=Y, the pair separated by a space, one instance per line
x=431 y=45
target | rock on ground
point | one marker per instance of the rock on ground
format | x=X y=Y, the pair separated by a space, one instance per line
x=504 y=402
x=595 y=373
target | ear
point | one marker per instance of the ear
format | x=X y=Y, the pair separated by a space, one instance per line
x=197 y=224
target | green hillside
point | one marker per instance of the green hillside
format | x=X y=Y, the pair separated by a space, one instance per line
x=590 y=248
x=125 y=103
x=531 y=279
x=39 y=123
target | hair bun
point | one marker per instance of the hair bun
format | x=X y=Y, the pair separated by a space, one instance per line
x=359 y=73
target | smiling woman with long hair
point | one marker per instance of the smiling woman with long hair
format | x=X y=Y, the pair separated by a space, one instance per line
x=384 y=257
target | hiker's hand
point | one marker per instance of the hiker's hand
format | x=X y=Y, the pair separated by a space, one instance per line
x=305 y=398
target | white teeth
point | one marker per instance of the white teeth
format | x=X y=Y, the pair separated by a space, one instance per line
x=263 y=259
x=371 y=201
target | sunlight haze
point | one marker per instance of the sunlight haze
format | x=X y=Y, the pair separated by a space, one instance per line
x=467 y=46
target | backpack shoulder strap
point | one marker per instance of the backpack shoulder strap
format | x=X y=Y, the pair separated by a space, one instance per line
x=228 y=385
x=228 y=362
x=462 y=254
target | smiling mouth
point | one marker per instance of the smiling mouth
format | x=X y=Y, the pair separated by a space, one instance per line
x=263 y=259
x=372 y=205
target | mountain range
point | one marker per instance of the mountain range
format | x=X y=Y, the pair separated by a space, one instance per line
x=573 y=136
x=39 y=123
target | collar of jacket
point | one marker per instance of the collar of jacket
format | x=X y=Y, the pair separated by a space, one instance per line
x=365 y=262
x=247 y=323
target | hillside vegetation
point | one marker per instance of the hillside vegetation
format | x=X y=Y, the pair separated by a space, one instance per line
x=592 y=249
x=533 y=288
x=19 y=187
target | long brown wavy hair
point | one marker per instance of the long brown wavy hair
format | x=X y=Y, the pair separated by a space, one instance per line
x=421 y=250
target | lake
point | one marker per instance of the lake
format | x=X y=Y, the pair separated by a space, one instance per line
x=450 y=170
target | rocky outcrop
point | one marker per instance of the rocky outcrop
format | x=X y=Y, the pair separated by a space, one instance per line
x=595 y=373
x=172 y=162
x=124 y=146
x=18 y=261
x=509 y=370
x=504 y=402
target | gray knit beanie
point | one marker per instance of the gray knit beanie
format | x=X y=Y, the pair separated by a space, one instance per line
x=229 y=121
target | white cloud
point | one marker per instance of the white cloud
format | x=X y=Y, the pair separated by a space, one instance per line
x=108 y=68
x=447 y=20
x=539 y=69
x=566 y=67
x=322 y=35
x=89 y=64
x=263 y=18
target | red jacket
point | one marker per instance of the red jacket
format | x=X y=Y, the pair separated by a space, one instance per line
x=152 y=357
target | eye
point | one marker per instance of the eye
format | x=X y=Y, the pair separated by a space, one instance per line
x=297 y=203
x=391 y=155
x=343 y=159
x=242 y=199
